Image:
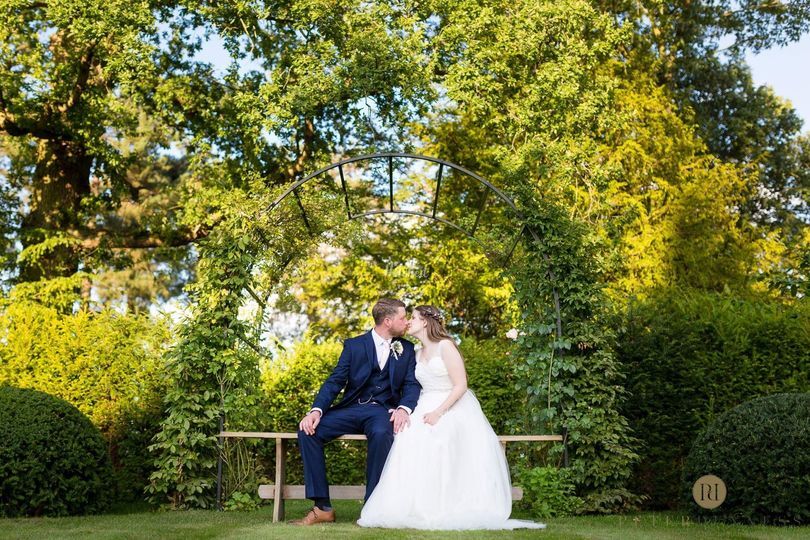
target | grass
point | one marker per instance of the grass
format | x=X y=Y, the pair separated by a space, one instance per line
x=137 y=522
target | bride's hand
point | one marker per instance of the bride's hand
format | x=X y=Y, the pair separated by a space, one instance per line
x=432 y=417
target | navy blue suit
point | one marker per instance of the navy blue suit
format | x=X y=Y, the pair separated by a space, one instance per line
x=368 y=394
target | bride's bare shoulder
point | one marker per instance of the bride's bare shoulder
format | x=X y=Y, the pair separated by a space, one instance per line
x=448 y=346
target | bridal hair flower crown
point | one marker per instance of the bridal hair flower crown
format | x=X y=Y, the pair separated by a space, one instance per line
x=434 y=314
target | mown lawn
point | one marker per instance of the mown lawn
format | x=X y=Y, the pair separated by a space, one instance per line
x=140 y=523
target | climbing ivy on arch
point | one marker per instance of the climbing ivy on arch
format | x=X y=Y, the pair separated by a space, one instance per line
x=568 y=373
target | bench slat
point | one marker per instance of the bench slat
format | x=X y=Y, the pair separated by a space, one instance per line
x=273 y=435
x=268 y=491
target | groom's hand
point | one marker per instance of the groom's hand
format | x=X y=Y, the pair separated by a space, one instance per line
x=401 y=419
x=310 y=422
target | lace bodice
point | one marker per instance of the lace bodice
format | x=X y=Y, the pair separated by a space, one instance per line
x=433 y=376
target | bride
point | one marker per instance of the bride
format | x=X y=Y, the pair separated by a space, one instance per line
x=448 y=470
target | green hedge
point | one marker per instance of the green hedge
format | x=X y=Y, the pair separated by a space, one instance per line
x=689 y=356
x=490 y=375
x=761 y=451
x=53 y=461
x=106 y=364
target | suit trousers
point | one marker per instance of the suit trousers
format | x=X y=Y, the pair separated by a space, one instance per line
x=370 y=419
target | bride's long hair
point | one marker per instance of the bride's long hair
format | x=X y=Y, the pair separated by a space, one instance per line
x=434 y=324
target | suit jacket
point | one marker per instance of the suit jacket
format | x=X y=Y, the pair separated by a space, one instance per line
x=354 y=369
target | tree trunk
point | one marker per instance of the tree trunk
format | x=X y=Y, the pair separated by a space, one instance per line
x=61 y=179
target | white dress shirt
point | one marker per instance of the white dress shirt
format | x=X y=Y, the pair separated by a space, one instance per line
x=383 y=348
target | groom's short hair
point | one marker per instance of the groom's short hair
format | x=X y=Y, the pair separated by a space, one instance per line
x=385 y=307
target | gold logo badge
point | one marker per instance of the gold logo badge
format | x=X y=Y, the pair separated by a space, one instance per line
x=709 y=491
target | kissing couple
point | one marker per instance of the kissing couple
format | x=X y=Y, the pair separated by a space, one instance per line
x=434 y=461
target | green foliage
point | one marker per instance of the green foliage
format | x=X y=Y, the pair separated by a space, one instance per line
x=491 y=376
x=241 y=502
x=60 y=293
x=118 y=135
x=767 y=487
x=548 y=492
x=106 y=364
x=53 y=461
x=686 y=48
x=213 y=372
x=209 y=374
x=572 y=381
x=75 y=88
x=336 y=286
x=670 y=215
x=688 y=356
x=291 y=381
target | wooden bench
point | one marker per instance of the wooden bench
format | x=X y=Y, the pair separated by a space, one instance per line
x=280 y=491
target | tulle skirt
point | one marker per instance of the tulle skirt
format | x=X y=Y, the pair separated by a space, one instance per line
x=449 y=476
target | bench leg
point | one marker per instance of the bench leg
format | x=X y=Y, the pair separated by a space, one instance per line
x=565 y=447
x=278 y=500
x=220 y=450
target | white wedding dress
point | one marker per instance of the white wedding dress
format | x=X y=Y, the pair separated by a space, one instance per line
x=449 y=476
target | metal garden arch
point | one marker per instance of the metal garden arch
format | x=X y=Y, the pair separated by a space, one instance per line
x=369 y=191
x=366 y=184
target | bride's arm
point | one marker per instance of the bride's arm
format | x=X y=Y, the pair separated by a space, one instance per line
x=458 y=376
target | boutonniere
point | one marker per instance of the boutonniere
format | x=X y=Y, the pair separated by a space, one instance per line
x=396 y=348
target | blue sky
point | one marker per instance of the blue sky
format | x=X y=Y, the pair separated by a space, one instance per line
x=787 y=71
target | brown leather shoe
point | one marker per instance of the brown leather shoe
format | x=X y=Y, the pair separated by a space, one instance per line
x=316 y=515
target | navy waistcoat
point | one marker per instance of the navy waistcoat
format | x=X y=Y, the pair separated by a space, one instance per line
x=378 y=387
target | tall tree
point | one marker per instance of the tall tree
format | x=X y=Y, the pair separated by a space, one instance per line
x=121 y=140
x=697 y=50
x=83 y=151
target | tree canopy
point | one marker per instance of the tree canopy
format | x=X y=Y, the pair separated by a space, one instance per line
x=120 y=138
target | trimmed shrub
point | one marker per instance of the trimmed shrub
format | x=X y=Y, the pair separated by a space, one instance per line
x=689 y=356
x=491 y=376
x=106 y=364
x=761 y=451
x=53 y=461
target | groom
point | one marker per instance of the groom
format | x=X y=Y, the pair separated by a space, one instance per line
x=376 y=373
